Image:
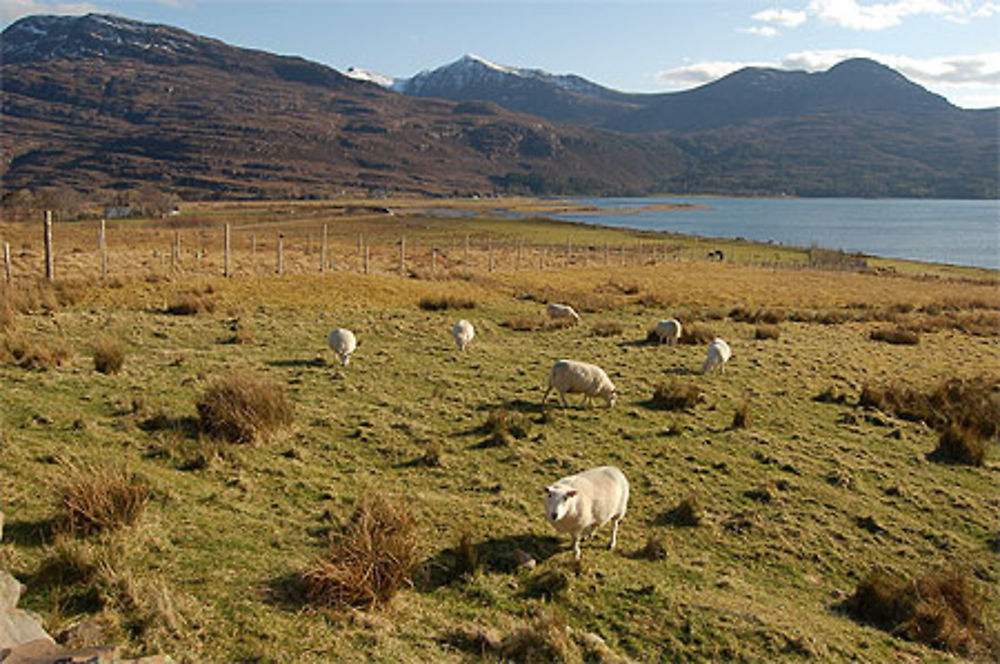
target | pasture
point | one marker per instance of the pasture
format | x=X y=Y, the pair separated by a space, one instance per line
x=795 y=502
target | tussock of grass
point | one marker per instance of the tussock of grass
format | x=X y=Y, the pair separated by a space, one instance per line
x=434 y=454
x=32 y=352
x=242 y=333
x=695 y=335
x=939 y=608
x=101 y=499
x=971 y=403
x=504 y=426
x=676 y=395
x=444 y=302
x=767 y=332
x=544 y=640
x=688 y=512
x=371 y=560
x=607 y=328
x=832 y=394
x=109 y=355
x=467 y=559
x=741 y=417
x=959 y=445
x=755 y=316
x=244 y=408
x=898 y=336
x=653 y=550
x=190 y=304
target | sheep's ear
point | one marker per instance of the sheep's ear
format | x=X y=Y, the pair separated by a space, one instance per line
x=571 y=493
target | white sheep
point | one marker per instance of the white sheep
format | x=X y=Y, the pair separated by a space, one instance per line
x=572 y=377
x=343 y=343
x=668 y=331
x=718 y=354
x=582 y=503
x=563 y=311
x=463 y=333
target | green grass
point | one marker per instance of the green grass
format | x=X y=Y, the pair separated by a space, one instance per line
x=227 y=538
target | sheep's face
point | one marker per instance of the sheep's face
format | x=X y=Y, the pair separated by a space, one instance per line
x=557 y=501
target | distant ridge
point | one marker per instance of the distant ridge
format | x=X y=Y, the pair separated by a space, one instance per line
x=104 y=102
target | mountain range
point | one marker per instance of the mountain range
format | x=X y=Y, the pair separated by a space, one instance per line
x=102 y=102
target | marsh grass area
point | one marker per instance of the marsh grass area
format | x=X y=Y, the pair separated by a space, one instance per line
x=801 y=493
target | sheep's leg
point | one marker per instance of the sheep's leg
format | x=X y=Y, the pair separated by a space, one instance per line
x=577 y=552
x=562 y=395
x=614 y=534
x=546 y=396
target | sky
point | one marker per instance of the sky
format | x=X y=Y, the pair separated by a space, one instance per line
x=951 y=47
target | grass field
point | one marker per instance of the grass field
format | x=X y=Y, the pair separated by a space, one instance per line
x=796 y=507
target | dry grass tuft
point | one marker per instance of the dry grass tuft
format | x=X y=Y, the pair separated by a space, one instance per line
x=109 y=355
x=434 y=454
x=688 y=512
x=765 y=332
x=544 y=640
x=694 y=335
x=190 y=304
x=504 y=426
x=959 y=445
x=371 y=560
x=676 y=395
x=445 y=302
x=244 y=408
x=654 y=549
x=765 y=316
x=971 y=403
x=940 y=609
x=468 y=562
x=898 y=336
x=607 y=328
x=32 y=352
x=741 y=417
x=101 y=500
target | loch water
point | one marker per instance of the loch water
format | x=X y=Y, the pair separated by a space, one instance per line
x=958 y=232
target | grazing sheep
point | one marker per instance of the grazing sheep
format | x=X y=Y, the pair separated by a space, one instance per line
x=582 y=503
x=572 y=377
x=463 y=333
x=718 y=354
x=343 y=343
x=563 y=311
x=668 y=331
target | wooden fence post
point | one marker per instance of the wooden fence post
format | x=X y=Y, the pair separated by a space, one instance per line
x=8 y=276
x=49 y=258
x=309 y=243
x=607 y=253
x=361 y=249
x=281 y=253
x=402 y=255
x=253 y=244
x=569 y=251
x=367 y=258
x=621 y=254
x=227 y=269
x=102 y=247
x=434 y=260
x=520 y=245
x=491 y=254
x=322 y=251
x=466 y=259
x=175 y=251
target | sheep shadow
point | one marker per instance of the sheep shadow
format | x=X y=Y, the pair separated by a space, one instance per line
x=519 y=405
x=495 y=554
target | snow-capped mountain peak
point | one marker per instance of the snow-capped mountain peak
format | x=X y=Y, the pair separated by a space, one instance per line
x=359 y=74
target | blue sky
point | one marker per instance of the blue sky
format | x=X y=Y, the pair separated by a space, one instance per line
x=951 y=47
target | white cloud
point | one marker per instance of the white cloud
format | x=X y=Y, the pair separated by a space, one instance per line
x=879 y=16
x=11 y=10
x=786 y=18
x=969 y=81
x=760 y=30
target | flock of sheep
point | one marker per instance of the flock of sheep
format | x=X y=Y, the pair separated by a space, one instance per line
x=577 y=504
